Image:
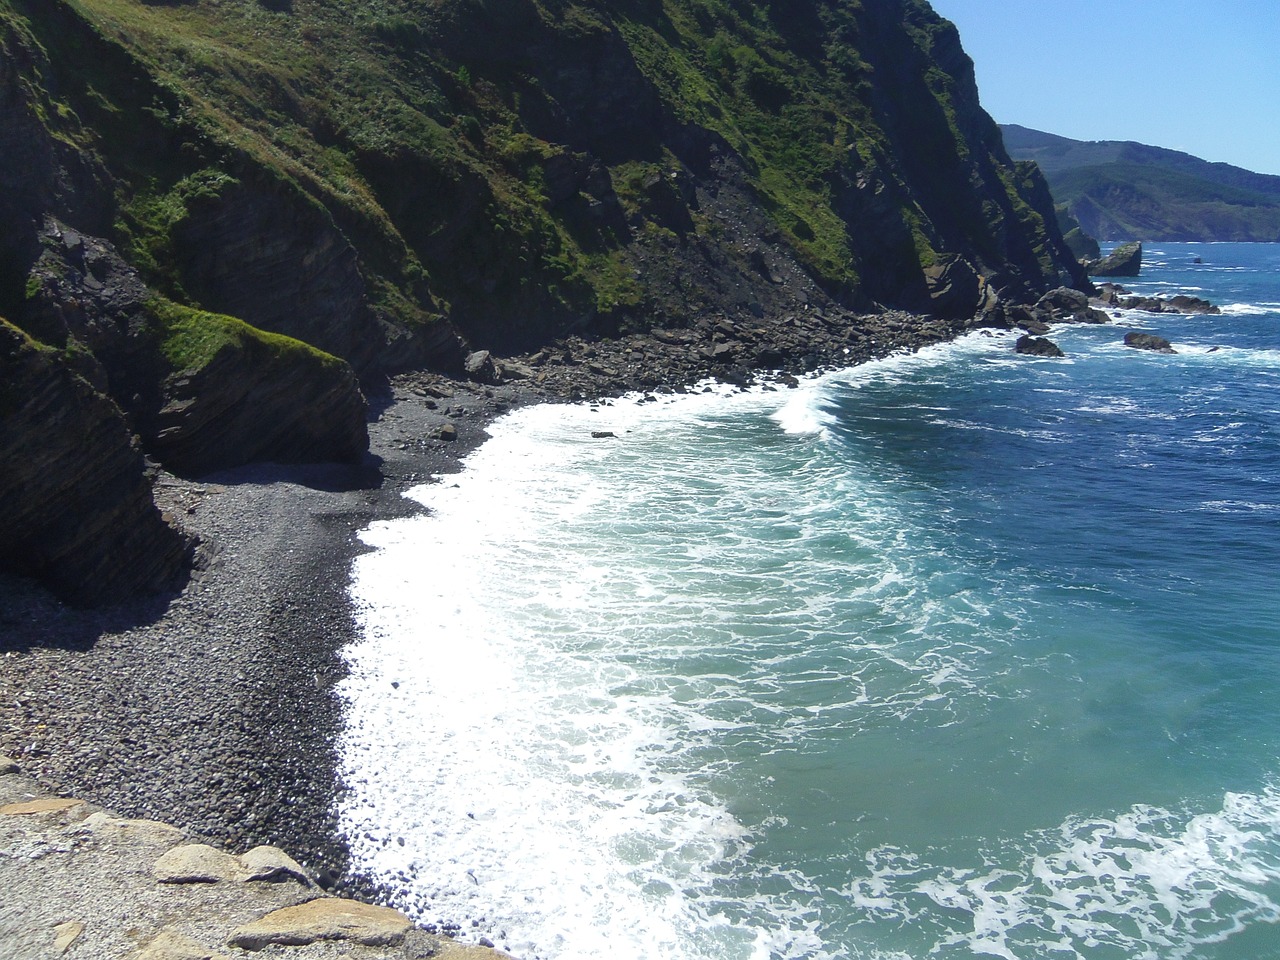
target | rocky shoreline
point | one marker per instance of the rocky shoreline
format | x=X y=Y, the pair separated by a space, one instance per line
x=214 y=707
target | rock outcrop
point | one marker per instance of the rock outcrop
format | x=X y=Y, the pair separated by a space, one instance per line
x=1116 y=295
x=76 y=508
x=1028 y=345
x=204 y=391
x=81 y=881
x=1124 y=261
x=1148 y=341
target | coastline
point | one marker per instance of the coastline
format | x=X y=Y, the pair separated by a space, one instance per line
x=214 y=708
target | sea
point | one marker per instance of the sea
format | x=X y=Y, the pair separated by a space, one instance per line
x=953 y=654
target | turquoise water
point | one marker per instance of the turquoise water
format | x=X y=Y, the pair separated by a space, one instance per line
x=955 y=654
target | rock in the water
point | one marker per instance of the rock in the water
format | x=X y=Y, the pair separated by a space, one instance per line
x=1183 y=303
x=1064 y=301
x=1179 y=304
x=1037 y=347
x=197 y=863
x=1147 y=341
x=1124 y=261
x=325 y=919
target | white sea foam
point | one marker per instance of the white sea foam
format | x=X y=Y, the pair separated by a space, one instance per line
x=500 y=767
x=1248 y=309
x=1146 y=885
x=567 y=659
x=516 y=748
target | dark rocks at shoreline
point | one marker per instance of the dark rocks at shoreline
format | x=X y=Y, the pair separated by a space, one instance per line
x=1030 y=346
x=1061 y=305
x=742 y=352
x=1115 y=295
x=1124 y=261
x=1148 y=341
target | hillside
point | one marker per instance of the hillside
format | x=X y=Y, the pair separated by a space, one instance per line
x=225 y=218
x=1120 y=190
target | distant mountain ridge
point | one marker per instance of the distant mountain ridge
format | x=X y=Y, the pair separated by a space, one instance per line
x=1123 y=190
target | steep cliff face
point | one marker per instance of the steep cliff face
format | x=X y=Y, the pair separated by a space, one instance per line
x=75 y=507
x=381 y=179
x=220 y=212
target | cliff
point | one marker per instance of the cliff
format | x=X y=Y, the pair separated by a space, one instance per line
x=221 y=213
x=1121 y=190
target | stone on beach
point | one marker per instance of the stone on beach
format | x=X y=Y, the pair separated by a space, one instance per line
x=325 y=919
x=65 y=934
x=197 y=863
x=273 y=864
x=172 y=945
x=41 y=805
x=152 y=830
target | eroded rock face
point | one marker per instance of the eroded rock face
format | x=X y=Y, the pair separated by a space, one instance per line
x=254 y=252
x=251 y=403
x=256 y=399
x=76 y=509
x=1124 y=261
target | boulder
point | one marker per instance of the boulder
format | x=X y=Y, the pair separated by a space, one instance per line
x=1124 y=261
x=151 y=831
x=1179 y=304
x=273 y=865
x=1065 y=305
x=197 y=863
x=1147 y=341
x=325 y=919
x=1064 y=301
x=172 y=944
x=1030 y=346
x=1183 y=303
x=65 y=934
x=480 y=368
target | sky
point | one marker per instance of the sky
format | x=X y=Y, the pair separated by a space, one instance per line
x=1201 y=76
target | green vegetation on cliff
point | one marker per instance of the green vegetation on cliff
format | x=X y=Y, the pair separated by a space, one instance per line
x=190 y=339
x=471 y=153
x=1119 y=190
x=221 y=213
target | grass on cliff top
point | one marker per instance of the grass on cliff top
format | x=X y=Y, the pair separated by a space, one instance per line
x=189 y=339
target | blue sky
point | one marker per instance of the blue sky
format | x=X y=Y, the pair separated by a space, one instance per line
x=1201 y=76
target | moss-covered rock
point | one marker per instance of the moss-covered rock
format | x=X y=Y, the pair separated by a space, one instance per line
x=236 y=395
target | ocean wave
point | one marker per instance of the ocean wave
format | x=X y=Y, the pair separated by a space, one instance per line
x=1149 y=884
x=1248 y=309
